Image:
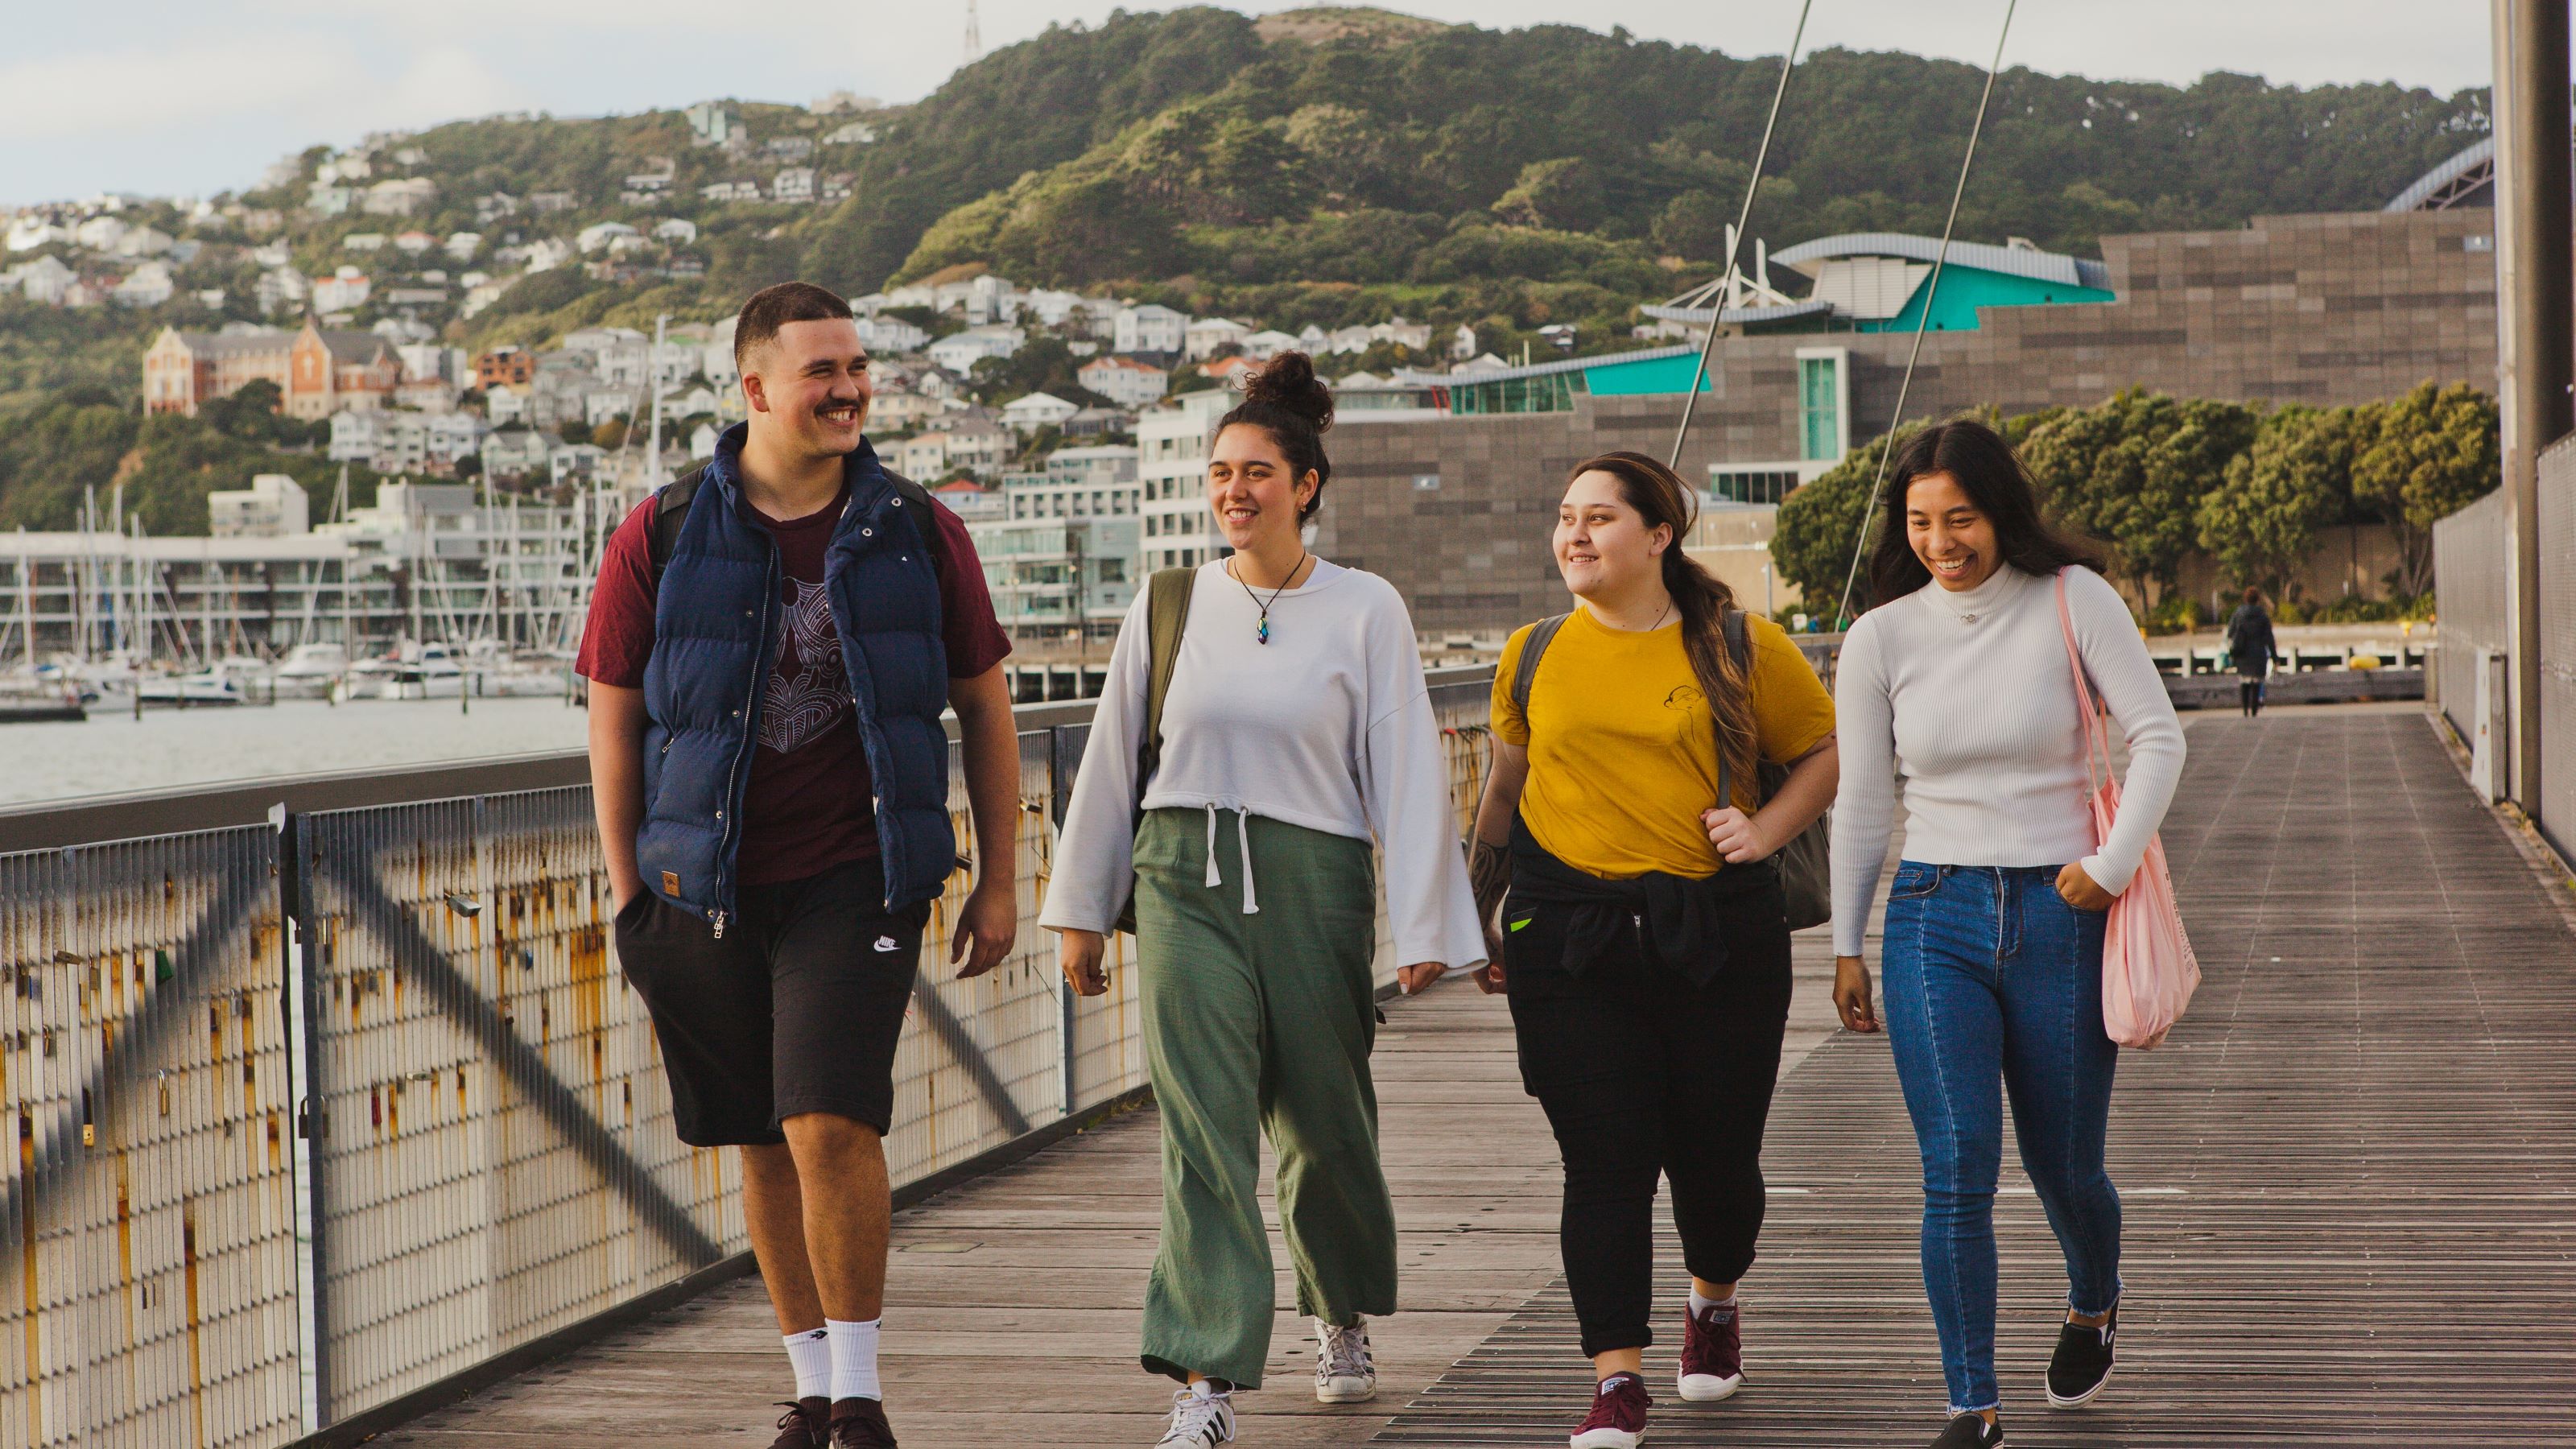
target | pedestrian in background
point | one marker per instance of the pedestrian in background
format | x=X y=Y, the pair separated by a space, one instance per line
x=1644 y=940
x=1959 y=681
x=2249 y=644
x=1296 y=728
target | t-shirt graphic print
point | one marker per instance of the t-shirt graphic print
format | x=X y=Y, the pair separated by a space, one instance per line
x=809 y=689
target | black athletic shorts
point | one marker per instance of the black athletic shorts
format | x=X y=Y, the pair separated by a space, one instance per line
x=796 y=1009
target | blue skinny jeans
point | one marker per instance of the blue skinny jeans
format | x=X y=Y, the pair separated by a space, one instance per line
x=1994 y=981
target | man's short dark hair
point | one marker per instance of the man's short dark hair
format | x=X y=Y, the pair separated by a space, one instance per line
x=771 y=308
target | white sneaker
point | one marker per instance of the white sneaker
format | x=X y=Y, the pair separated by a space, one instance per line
x=1199 y=1423
x=1344 y=1372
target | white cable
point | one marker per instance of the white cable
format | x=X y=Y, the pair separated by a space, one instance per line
x=1931 y=290
x=1735 y=238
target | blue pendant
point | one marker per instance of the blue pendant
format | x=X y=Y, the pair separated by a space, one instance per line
x=1262 y=634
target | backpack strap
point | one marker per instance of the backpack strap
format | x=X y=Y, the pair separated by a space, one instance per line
x=1525 y=669
x=1167 y=615
x=671 y=510
x=1732 y=625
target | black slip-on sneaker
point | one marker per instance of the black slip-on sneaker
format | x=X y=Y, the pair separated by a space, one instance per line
x=2082 y=1363
x=1970 y=1431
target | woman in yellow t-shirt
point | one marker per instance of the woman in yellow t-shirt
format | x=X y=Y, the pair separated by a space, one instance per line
x=1645 y=943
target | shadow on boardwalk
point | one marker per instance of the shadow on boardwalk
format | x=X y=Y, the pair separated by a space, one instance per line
x=2350 y=1182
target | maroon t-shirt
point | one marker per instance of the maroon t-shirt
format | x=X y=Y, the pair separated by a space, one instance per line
x=810 y=804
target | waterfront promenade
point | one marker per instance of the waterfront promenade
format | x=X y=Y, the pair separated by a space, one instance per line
x=2350 y=1181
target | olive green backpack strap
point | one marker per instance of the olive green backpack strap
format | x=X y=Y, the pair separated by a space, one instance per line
x=1167 y=616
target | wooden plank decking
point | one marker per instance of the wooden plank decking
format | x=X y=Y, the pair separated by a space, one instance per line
x=2350 y=1180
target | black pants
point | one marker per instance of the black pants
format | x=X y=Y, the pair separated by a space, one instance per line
x=1645 y=1073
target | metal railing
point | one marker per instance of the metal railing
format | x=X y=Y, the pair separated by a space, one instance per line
x=2475 y=607
x=313 y=1115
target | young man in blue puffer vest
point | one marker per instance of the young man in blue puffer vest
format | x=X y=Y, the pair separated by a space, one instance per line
x=770 y=646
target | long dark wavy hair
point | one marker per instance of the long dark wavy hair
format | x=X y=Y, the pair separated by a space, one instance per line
x=1992 y=476
x=1658 y=495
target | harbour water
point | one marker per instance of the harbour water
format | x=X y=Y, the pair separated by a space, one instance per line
x=176 y=749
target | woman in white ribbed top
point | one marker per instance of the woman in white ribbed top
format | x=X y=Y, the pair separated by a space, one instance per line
x=1960 y=685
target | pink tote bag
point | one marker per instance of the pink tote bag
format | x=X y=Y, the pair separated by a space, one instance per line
x=2148 y=969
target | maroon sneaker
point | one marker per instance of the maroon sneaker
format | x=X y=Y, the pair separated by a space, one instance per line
x=1713 y=1354
x=860 y=1424
x=807 y=1424
x=1618 y=1417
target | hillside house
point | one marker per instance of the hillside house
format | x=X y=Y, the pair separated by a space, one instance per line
x=1124 y=380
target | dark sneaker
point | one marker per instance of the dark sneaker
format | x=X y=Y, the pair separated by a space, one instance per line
x=1970 y=1431
x=1618 y=1417
x=1713 y=1354
x=807 y=1424
x=2082 y=1363
x=860 y=1424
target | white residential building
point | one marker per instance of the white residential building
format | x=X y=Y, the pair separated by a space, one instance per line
x=344 y=290
x=600 y=233
x=675 y=229
x=273 y=506
x=1036 y=410
x=514 y=452
x=1265 y=345
x=1054 y=577
x=391 y=440
x=1124 y=380
x=891 y=334
x=404 y=196
x=462 y=245
x=1078 y=483
x=1171 y=472
x=46 y=280
x=792 y=184
x=1208 y=336
x=730 y=191
x=1150 y=328
x=959 y=352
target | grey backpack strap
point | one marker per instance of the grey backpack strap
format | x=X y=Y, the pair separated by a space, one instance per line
x=1525 y=669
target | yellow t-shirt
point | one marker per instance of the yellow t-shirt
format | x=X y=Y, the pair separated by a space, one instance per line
x=1623 y=750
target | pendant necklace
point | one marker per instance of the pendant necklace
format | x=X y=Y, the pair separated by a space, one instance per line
x=1261 y=634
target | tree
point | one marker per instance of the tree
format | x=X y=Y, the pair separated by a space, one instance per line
x=1693 y=226
x=1820 y=525
x=610 y=435
x=2433 y=452
x=1564 y=193
x=2131 y=473
x=2262 y=522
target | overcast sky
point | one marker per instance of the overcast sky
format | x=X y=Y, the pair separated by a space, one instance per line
x=182 y=96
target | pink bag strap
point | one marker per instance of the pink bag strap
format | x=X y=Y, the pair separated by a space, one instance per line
x=2096 y=738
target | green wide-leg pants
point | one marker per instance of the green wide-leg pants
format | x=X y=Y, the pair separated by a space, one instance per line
x=1254 y=1022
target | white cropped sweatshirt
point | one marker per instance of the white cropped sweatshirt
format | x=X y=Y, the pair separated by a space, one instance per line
x=1970 y=698
x=1328 y=726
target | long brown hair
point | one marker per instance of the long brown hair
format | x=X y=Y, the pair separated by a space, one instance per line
x=1656 y=492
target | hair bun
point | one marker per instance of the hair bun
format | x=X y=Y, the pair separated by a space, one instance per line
x=1288 y=381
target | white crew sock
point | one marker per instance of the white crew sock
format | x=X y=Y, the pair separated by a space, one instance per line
x=854 y=1359
x=1207 y=1389
x=1700 y=1305
x=811 y=1352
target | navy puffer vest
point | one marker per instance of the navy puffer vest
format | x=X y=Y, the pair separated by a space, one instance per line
x=716 y=621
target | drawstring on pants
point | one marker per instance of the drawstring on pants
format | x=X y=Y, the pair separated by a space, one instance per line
x=1243 y=850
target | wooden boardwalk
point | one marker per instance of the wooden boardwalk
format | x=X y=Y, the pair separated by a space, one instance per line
x=2350 y=1182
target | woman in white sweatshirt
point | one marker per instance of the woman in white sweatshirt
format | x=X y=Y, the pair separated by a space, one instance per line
x=1958 y=682
x=1295 y=730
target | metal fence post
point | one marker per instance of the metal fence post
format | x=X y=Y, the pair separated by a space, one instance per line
x=301 y=1006
x=1059 y=787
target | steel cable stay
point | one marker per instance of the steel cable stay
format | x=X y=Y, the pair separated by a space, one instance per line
x=1931 y=291
x=1735 y=234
